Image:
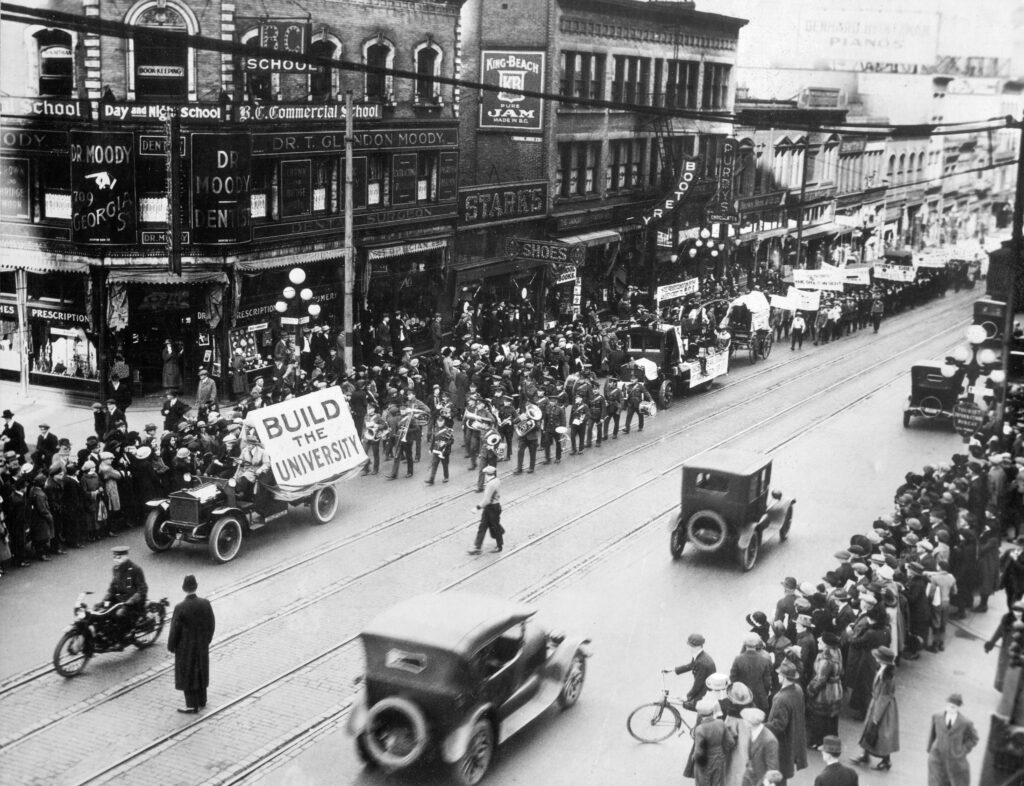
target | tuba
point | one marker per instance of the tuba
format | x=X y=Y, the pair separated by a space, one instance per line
x=480 y=422
x=529 y=420
x=375 y=432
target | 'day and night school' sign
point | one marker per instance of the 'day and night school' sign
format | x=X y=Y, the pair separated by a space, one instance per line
x=309 y=439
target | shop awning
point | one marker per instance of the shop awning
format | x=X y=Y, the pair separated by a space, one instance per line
x=488 y=268
x=35 y=260
x=166 y=278
x=767 y=234
x=253 y=263
x=831 y=228
x=601 y=237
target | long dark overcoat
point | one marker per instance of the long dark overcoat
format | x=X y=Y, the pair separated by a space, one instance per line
x=192 y=627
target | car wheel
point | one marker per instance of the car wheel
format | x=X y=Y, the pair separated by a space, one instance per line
x=748 y=556
x=471 y=768
x=71 y=654
x=665 y=394
x=677 y=541
x=786 y=524
x=572 y=687
x=363 y=752
x=156 y=538
x=396 y=732
x=906 y=419
x=707 y=530
x=225 y=539
x=147 y=629
x=324 y=504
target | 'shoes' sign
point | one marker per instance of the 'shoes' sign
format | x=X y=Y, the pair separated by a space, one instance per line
x=310 y=439
x=103 y=207
x=507 y=109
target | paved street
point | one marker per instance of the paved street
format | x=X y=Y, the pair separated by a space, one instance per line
x=587 y=540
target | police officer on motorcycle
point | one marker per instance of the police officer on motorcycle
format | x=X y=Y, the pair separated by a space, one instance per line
x=127 y=586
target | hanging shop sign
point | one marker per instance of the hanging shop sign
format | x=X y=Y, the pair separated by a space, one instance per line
x=901 y=273
x=221 y=182
x=309 y=439
x=289 y=37
x=688 y=170
x=405 y=249
x=545 y=251
x=506 y=109
x=722 y=209
x=14 y=189
x=103 y=205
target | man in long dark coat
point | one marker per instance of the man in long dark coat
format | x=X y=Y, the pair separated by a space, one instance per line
x=192 y=627
x=786 y=722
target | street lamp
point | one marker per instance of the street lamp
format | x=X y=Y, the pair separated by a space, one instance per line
x=974 y=360
x=297 y=277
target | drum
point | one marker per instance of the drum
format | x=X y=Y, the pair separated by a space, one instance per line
x=492 y=439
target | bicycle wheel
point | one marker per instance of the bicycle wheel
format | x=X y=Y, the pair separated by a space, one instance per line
x=654 y=722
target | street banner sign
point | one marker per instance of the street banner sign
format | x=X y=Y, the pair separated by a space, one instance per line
x=310 y=439
x=782 y=302
x=819 y=279
x=858 y=276
x=679 y=289
x=967 y=417
x=902 y=273
x=935 y=260
x=804 y=300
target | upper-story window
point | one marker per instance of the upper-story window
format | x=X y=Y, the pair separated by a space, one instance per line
x=258 y=85
x=379 y=53
x=632 y=77
x=582 y=75
x=160 y=68
x=716 y=86
x=56 y=63
x=683 y=78
x=323 y=84
x=427 y=57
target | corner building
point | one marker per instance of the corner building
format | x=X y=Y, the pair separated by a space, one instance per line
x=85 y=274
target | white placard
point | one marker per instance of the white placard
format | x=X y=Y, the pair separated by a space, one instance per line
x=831 y=279
x=309 y=439
x=803 y=300
x=859 y=276
x=903 y=273
x=782 y=302
x=679 y=289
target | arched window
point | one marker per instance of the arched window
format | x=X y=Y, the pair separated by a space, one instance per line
x=379 y=53
x=920 y=165
x=781 y=163
x=747 y=184
x=323 y=85
x=158 y=68
x=891 y=173
x=257 y=85
x=901 y=170
x=910 y=166
x=427 y=57
x=54 y=49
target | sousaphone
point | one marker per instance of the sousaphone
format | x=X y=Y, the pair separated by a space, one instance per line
x=529 y=420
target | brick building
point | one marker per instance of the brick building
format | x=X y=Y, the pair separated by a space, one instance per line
x=85 y=208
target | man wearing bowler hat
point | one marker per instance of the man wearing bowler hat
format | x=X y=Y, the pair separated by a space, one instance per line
x=13 y=435
x=786 y=721
x=192 y=627
x=834 y=774
x=951 y=738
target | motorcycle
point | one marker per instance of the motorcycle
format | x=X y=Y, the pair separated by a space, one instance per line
x=94 y=632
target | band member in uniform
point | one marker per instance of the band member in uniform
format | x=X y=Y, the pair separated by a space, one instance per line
x=440 y=448
x=554 y=419
x=403 y=445
x=613 y=405
x=578 y=419
x=528 y=429
x=506 y=415
x=636 y=392
x=596 y=419
x=479 y=419
x=374 y=432
x=420 y=417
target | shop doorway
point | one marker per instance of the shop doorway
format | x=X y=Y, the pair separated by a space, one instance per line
x=159 y=314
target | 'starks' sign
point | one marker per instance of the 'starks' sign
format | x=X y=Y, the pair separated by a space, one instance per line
x=679 y=289
x=310 y=439
x=506 y=202
x=103 y=206
x=220 y=184
x=507 y=109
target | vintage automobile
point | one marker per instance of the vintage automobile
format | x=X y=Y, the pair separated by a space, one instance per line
x=725 y=505
x=933 y=395
x=672 y=363
x=209 y=512
x=452 y=675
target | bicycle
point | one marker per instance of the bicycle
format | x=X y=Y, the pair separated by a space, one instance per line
x=658 y=720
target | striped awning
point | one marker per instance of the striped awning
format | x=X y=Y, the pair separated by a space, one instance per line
x=601 y=237
x=166 y=278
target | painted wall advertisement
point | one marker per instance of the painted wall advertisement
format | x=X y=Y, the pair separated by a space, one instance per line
x=103 y=205
x=506 y=109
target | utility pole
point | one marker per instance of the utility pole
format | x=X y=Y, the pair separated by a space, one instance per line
x=1012 y=274
x=349 y=303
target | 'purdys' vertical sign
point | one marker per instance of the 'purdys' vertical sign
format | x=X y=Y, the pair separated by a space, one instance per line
x=103 y=206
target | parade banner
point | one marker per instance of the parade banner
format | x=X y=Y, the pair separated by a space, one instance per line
x=803 y=300
x=859 y=276
x=931 y=260
x=782 y=302
x=679 y=289
x=819 y=279
x=902 y=273
x=310 y=439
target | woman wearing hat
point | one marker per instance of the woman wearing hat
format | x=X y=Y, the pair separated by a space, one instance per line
x=737 y=698
x=881 y=735
x=870 y=631
x=825 y=690
x=109 y=477
x=712 y=741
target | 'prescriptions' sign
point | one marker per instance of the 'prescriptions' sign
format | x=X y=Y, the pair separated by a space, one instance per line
x=309 y=439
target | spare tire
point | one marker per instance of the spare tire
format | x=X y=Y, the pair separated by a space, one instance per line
x=396 y=732
x=707 y=531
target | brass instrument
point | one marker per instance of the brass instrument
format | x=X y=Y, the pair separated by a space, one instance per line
x=418 y=417
x=375 y=432
x=529 y=420
x=479 y=422
x=492 y=438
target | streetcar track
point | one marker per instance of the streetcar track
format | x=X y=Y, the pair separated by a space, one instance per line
x=545 y=585
x=340 y=586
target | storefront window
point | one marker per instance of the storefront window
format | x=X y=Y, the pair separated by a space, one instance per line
x=263 y=198
x=376 y=180
x=426 y=177
x=54 y=188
